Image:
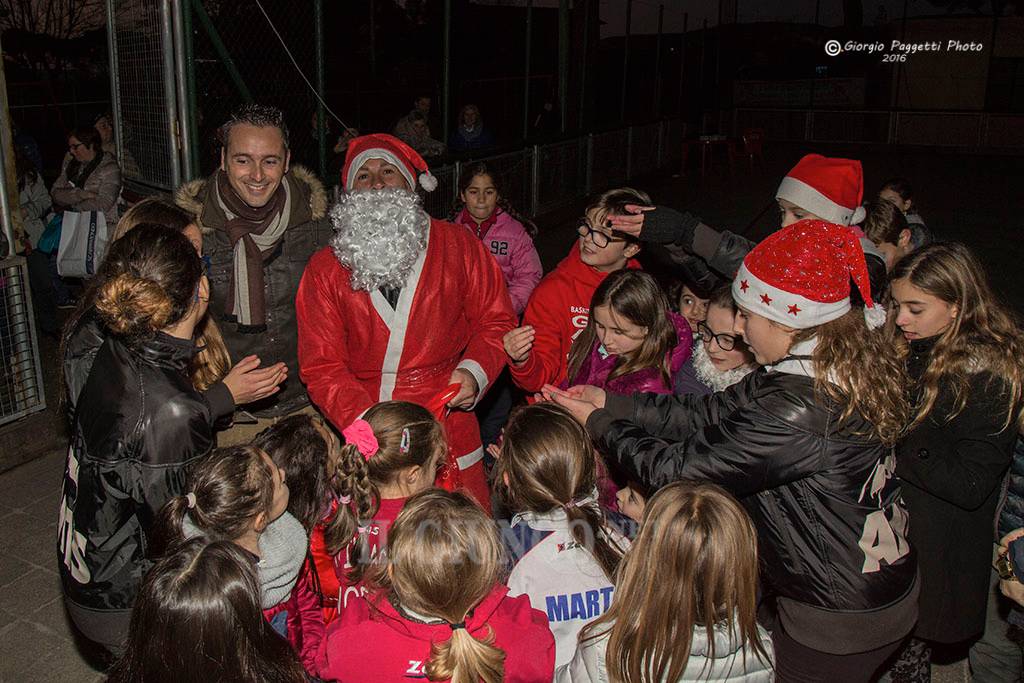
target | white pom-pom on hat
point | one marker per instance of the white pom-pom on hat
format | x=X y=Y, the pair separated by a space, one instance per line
x=428 y=181
x=874 y=316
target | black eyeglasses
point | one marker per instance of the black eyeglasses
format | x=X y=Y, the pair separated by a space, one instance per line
x=601 y=239
x=727 y=342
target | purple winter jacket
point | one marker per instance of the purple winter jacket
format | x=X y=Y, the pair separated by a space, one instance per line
x=511 y=245
x=595 y=368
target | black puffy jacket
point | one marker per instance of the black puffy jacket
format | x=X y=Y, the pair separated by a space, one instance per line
x=827 y=509
x=138 y=425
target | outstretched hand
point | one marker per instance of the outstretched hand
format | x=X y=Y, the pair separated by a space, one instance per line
x=631 y=222
x=580 y=401
x=248 y=382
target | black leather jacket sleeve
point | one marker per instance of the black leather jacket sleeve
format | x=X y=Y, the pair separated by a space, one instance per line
x=685 y=237
x=746 y=438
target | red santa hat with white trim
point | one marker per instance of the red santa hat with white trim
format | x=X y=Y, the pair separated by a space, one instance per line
x=830 y=188
x=392 y=150
x=800 y=276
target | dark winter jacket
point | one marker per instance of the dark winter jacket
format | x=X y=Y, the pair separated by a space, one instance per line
x=307 y=232
x=138 y=426
x=704 y=254
x=951 y=470
x=827 y=511
x=80 y=351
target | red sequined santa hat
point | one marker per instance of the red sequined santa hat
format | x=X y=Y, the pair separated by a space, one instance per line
x=800 y=276
x=830 y=188
x=392 y=150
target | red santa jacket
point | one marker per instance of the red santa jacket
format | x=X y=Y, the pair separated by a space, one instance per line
x=371 y=641
x=558 y=312
x=355 y=350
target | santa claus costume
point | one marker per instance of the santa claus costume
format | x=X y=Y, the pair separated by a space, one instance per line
x=415 y=299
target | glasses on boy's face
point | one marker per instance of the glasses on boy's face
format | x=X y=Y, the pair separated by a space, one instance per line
x=727 y=342
x=600 y=239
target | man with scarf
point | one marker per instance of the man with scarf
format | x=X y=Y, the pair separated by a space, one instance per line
x=262 y=219
x=400 y=306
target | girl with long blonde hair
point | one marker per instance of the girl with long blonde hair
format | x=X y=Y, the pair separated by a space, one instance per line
x=440 y=611
x=806 y=443
x=698 y=620
x=966 y=364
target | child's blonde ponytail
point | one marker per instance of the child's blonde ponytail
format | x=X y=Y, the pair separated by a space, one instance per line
x=465 y=659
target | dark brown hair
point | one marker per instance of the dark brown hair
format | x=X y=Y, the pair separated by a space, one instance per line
x=884 y=222
x=197 y=618
x=360 y=479
x=549 y=462
x=150 y=280
x=636 y=296
x=231 y=486
x=692 y=566
x=258 y=115
x=985 y=336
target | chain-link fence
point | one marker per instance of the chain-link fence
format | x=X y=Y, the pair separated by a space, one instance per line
x=21 y=378
x=543 y=178
x=140 y=42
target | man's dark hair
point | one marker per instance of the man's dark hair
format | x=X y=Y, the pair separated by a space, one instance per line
x=259 y=115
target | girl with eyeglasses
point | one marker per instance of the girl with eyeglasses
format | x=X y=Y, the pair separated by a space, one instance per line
x=720 y=357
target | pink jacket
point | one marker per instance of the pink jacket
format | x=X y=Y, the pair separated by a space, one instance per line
x=371 y=641
x=305 y=620
x=596 y=368
x=510 y=244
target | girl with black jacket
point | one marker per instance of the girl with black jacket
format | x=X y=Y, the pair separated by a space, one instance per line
x=966 y=363
x=805 y=443
x=138 y=424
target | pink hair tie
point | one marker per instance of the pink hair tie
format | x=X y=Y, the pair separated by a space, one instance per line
x=344 y=500
x=360 y=434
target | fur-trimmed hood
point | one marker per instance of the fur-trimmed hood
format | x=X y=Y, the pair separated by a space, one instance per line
x=190 y=196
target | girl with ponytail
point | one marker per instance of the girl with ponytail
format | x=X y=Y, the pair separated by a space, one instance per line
x=438 y=610
x=238 y=494
x=565 y=554
x=380 y=460
x=139 y=424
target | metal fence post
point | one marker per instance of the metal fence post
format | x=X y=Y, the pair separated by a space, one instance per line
x=456 y=179
x=629 y=152
x=589 y=174
x=184 y=107
x=170 y=91
x=321 y=116
x=661 y=144
x=115 y=80
x=535 y=180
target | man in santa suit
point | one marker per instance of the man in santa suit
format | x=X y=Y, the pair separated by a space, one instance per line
x=399 y=305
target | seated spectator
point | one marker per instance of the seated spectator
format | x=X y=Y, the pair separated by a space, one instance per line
x=105 y=127
x=34 y=201
x=90 y=179
x=470 y=134
x=417 y=136
x=420 y=107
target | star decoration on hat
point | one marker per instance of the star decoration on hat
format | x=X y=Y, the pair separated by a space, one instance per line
x=794 y=309
x=766 y=299
x=744 y=285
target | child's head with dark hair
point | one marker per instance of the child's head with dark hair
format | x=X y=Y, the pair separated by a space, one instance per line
x=898 y=191
x=233 y=494
x=690 y=301
x=547 y=463
x=886 y=226
x=600 y=246
x=197 y=618
x=482 y=193
x=410 y=446
x=629 y=317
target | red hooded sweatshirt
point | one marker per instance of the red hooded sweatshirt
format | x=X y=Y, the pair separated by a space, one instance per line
x=558 y=311
x=371 y=641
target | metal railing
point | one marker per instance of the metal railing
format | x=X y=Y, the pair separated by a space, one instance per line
x=542 y=178
x=960 y=130
x=21 y=375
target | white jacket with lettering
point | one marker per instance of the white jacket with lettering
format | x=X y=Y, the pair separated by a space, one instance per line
x=562 y=579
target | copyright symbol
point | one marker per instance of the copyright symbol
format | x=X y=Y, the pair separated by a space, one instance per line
x=832 y=48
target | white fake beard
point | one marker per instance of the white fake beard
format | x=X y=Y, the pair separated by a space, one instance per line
x=380 y=234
